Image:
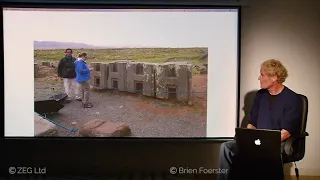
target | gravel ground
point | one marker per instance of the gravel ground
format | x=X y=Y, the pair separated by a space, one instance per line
x=146 y=117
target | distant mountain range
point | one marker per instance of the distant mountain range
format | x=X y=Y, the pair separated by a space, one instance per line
x=72 y=45
x=64 y=45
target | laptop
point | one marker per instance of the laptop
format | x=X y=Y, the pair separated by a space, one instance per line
x=258 y=154
x=259 y=145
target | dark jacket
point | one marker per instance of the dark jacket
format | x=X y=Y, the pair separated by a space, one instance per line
x=283 y=112
x=66 y=67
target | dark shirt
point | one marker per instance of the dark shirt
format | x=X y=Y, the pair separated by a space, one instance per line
x=277 y=112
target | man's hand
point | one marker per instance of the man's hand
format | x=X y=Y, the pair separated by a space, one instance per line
x=91 y=69
x=250 y=126
x=284 y=135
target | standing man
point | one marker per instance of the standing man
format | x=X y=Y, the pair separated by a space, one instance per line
x=66 y=70
x=83 y=77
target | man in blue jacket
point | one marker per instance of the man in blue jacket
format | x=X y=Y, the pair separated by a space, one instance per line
x=83 y=77
x=275 y=107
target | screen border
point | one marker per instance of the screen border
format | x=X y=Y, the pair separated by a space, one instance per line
x=97 y=4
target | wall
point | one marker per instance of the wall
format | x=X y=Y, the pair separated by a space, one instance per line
x=153 y=77
x=288 y=30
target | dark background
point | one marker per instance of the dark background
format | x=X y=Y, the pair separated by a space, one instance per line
x=259 y=19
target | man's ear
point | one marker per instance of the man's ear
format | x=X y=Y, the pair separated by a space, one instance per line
x=274 y=78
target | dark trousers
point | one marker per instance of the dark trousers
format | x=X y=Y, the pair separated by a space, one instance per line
x=228 y=152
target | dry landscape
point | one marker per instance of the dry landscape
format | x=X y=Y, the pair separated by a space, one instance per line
x=145 y=116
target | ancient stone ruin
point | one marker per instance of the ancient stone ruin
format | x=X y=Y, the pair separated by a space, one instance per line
x=44 y=63
x=50 y=64
x=172 y=80
x=36 y=70
x=140 y=78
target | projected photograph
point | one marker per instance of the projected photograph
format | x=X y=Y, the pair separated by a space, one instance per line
x=134 y=91
x=149 y=73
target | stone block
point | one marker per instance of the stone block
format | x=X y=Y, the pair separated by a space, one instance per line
x=140 y=78
x=46 y=63
x=103 y=128
x=174 y=81
x=54 y=64
x=36 y=70
x=118 y=75
x=42 y=127
x=203 y=70
x=99 y=75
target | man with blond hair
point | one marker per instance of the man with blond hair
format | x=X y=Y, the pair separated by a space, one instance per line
x=275 y=107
